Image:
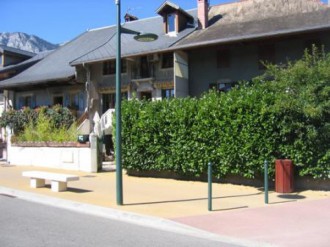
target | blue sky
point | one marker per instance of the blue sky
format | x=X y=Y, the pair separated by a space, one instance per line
x=58 y=21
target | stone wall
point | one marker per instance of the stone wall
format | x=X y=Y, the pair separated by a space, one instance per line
x=67 y=156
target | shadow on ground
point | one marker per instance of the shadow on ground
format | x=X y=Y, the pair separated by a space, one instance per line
x=291 y=196
x=70 y=189
x=225 y=209
x=188 y=200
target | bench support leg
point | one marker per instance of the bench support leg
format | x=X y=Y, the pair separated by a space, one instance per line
x=37 y=182
x=58 y=186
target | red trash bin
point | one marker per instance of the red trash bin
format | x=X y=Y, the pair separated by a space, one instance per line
x=284 y=176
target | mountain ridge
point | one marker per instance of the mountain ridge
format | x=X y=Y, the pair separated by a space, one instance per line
x=26 y=42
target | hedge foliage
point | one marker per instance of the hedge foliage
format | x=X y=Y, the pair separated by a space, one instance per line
x=42 y=124
x=283 y=114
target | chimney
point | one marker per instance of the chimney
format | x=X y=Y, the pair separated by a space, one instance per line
x=129 y=18
x=203 y=13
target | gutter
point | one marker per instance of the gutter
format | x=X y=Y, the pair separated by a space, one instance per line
x=17 y=66
x=10 y=86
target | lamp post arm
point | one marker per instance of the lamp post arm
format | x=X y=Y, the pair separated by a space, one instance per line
x=129 y=31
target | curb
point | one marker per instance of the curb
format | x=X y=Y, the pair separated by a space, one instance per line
x=133 y=218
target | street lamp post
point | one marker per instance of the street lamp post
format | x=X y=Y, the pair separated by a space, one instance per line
x=119 y=175
x=147 y=37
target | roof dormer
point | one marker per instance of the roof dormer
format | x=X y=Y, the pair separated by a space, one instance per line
x=175 y=19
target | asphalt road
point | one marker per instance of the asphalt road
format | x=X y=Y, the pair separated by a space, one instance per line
x=24 y=223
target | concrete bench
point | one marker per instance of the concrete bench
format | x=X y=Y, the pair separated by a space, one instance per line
x=58 y=181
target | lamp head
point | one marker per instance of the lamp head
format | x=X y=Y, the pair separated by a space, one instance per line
x=146 y=37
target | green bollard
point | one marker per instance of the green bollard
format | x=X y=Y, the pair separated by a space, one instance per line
x=210 y=186
x=266 y=182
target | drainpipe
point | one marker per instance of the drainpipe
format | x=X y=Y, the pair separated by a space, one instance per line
x=5 y=98
x=3 y=130
x=87 y=83
x=87 y=87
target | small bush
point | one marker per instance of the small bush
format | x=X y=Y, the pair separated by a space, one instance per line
x=44 y=129
x=17 y=119
x=41 y=124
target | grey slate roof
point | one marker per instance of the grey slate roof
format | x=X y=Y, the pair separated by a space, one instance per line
x=251 y=19
x=28 y=62
x=56 y=67
x=4 y=48
x=131 y=47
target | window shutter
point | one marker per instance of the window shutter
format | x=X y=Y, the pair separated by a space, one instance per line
x=20 y=102
x=66 y=100
x=33 y=101
x=81 y=101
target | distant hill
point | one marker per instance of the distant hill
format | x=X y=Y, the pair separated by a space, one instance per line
x=26 y=42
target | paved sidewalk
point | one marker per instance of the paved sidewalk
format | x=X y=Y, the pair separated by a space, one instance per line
x=238 y=211
x=289 y=224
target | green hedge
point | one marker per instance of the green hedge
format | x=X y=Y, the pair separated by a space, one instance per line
x=282 y=114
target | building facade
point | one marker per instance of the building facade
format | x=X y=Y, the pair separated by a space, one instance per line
x=209 y=46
